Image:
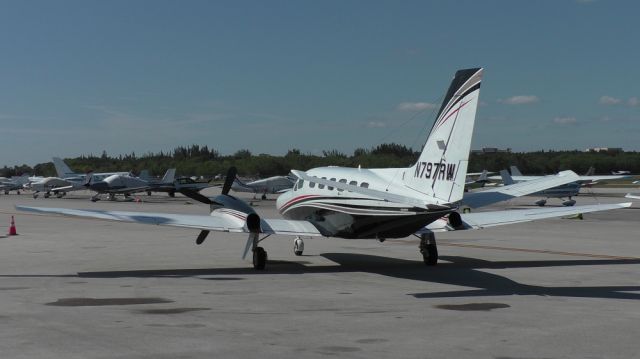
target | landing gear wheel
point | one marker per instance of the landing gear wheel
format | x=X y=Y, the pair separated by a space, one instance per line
x=430 y=256
x=172 y=194
x=298 y=246
x=148 y=193
x=46 y=195
x=259 y=258
x=429 y=249
x=264 y=196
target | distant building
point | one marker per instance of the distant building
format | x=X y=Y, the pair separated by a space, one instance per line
x=487 y=150
x=604 y=149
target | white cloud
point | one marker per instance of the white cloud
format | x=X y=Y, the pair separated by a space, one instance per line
x=608 y=100
x=416 y=106
x=565 y=120
x=633 y=102
x=520 y=100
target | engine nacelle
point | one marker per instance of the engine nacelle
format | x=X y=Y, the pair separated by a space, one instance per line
x=253 y=223
x=455 y=220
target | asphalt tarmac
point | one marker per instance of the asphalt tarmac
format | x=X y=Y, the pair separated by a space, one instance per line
x=78 y=288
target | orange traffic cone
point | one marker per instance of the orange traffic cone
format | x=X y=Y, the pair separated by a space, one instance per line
x=12 y=228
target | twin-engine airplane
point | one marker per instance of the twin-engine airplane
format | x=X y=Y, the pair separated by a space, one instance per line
x=362 y=203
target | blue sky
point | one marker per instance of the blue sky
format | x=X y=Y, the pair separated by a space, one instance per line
x=80 y=77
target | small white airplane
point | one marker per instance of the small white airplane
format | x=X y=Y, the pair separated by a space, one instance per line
x=15 y=183
x=116 y=184
x=272 y=185
x=362 y=203
x=65 y=172
x=561 y=191
x=588 y=179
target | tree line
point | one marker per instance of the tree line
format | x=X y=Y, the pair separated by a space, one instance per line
x=204 y=161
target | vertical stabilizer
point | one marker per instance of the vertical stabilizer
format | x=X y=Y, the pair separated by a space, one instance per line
x=515 y=171
x=442 y=167
x=62 y=169
x=144 y=175
x=169 y=176
x=506 y=177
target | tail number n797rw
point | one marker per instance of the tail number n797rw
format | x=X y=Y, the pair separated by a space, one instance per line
x=438 y=170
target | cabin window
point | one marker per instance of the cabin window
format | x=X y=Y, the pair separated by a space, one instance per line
x=353 y=183
x=321 y=186
x=329 y=187
x=312 y=184
x=342 y=181
x=364 y=185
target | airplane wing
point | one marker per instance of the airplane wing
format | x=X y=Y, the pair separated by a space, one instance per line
x=128 y=190
x=480 y=220
x=499 y=194
x=632 y=196
x=219 y=222
x=594 y=179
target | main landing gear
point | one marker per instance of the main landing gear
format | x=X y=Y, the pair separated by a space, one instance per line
x=264 y=196
x=298 y=246
x=259 y=258
x=429 y=249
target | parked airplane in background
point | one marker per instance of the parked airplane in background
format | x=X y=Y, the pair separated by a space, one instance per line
x=588 y=179
x=169 y=184
x=65 y=172
x=621 y=173
x=362 y=203
x=116 y=184
x=480 y=180
x=15 y=183
x=562 y=191
x=272 y=185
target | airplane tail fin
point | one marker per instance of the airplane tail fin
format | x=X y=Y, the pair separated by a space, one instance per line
x=144 y=175
x=442 y=166
x=169 y=176
x=88 y=179
x=515 y=171
x=62 y=169
x=506 y=177
x=483 y=177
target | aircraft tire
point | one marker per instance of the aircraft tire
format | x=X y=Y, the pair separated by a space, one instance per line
x=298 y=247
x=430 y=256
x=264 y=196
x=259 y=258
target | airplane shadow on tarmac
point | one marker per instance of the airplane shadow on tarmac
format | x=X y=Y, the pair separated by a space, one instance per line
x=459 y=271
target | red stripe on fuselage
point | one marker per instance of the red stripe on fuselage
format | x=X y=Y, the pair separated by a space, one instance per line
x=296 y=199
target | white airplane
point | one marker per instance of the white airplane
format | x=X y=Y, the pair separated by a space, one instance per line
x=588 y=179
x=272 y=185
x=116 y=184
x=362 y=203
x=562 y=191
x=14 y=183
x=65 y=172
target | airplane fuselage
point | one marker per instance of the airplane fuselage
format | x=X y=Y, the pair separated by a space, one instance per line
x=346 y=214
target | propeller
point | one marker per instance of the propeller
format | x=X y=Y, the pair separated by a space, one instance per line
x=228 y=181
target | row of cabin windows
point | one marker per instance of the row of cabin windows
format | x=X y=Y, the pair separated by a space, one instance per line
x=300 y=184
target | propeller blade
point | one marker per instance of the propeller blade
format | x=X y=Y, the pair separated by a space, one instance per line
x=228 y=181
x=202 y=236
x=249 y=244
x=197 y=196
